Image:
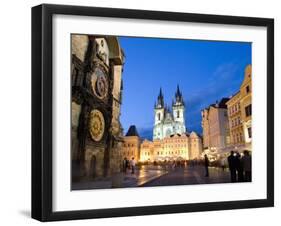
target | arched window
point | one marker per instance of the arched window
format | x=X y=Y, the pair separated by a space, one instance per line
x=178 y=114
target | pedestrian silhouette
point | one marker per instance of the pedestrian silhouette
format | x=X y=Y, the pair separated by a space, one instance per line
x=133 y=165
x=206 y=165
x=125 y=165
x=247 y=166
x=239 y=167
x=232 y=166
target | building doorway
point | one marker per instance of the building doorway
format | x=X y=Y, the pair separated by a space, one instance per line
x=93 y=166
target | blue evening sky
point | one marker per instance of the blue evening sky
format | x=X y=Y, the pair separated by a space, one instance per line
x=206 y=71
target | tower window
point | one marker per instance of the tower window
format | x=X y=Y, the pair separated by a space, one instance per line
x=248 y=110
x=159 y=116
x=247 y=89
x=178 y=114
x=250 y=132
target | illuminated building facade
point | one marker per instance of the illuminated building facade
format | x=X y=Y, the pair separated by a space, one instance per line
x=167 y=122
x=96 y=79
x=131 y=145
x=240 y=114
x=175 y=147
x=215 y=126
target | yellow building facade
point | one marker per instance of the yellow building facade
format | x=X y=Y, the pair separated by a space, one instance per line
x=235 y=123
x=246 y=105
x=239 y=109
x=175 y=147
x=131 y=145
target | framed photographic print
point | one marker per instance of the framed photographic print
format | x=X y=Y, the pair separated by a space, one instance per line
x=146 y=112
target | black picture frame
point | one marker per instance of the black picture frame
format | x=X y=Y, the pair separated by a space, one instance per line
x=42 y=111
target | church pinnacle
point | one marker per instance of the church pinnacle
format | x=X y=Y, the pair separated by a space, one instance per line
x=178 y=97
x=160 y=99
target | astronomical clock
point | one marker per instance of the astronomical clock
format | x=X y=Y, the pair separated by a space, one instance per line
x=99 y=101
x=99 y=83
x=97 y=125
x=94 y=72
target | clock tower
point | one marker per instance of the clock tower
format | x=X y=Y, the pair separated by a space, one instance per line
x=97 y=63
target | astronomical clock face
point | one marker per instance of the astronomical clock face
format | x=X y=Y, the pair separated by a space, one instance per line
x=97 y=125
x=99 y=83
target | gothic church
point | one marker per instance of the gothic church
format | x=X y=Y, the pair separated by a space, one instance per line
x=169 y=122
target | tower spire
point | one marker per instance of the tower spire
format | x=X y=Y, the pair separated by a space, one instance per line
x=178 y=96
x=160 y=99
x=160 y=93
x=178 y=91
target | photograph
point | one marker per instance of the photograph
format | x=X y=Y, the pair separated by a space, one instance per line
x=148 y=111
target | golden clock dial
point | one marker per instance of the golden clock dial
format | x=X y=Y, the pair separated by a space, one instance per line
x=97 y=125
x=99 y=83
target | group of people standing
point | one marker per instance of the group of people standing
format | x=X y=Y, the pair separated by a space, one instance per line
x=129 y=165
x=240 y=167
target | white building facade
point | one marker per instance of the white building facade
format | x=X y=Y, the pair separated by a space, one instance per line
x=166 y=121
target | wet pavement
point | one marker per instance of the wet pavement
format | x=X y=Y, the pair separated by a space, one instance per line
x=191 y=175
x=150 y=175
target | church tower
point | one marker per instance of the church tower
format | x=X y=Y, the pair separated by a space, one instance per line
x=159 y=113
x=159 y=108
x=178 y=112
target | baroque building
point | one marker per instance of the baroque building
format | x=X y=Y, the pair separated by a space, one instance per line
x=175 y=147
x=96 y=71
x=215 y=126
x=167 y=122
x=240 y=114
x=170 y=141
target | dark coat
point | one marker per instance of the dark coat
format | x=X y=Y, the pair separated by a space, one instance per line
x=231 y=162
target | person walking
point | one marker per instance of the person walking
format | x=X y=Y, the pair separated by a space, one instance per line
x=125 y=165
x=206 y=163
x=247 y=166
x=239 y=167
x=231 y=165
x=133 y=165
x=223 y=163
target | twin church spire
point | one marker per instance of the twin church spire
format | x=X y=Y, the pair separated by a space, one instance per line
x=169 y=121
x=177 y=100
